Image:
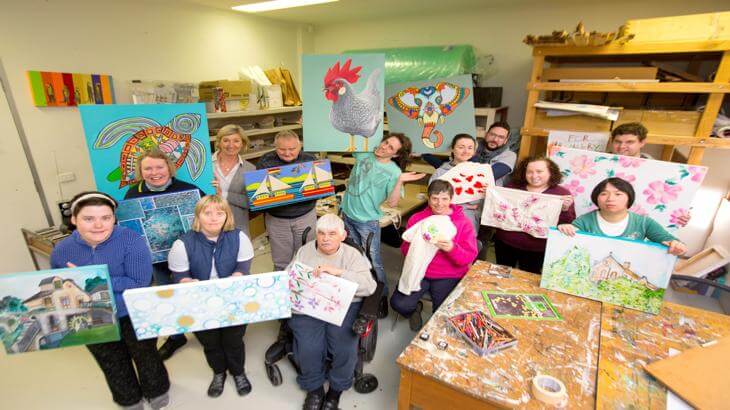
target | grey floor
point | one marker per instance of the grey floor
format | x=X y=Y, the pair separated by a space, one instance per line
x=70 y=379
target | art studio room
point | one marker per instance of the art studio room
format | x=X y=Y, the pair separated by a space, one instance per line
x=365 y=204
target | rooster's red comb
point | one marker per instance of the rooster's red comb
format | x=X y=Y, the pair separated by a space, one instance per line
x=345 y=73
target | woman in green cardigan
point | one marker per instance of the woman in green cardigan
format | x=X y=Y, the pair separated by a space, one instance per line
x=614 y=197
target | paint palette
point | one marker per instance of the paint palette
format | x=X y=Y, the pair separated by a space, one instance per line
x=482 y=333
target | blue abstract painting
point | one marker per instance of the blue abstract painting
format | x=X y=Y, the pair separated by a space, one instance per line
x=343 y=101
x=160 y=219
x=117 y=135
x=56 y=308
x=271 y=187
x=431 y=112
x=211 y=304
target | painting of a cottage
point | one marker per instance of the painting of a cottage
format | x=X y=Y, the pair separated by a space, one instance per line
x=629 y=273
x=277 y=186
x=56 y=308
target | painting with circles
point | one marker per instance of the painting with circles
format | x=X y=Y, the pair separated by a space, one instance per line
x=211 y=304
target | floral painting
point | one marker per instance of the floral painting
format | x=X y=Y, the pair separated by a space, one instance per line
x=664 y=190
x=470 y=180
x=324 y=297
x=521 y=211
x=626 y=272
x=209 y=304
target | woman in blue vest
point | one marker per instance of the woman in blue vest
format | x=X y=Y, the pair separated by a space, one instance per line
x=132 y=368
x=214 y=249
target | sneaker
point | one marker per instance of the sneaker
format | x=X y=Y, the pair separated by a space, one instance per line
x=160 y=402
x=243 y=386
x=415 y=322
x=314 y=399
x=216 y=385
x=170 y=346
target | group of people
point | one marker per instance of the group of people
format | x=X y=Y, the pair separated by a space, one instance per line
x=219 y=246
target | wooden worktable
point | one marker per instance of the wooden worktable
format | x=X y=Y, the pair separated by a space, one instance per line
x=630 y=339
x=458 y=378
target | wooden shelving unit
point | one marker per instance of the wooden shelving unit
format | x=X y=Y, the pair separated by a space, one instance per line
x=636 y=53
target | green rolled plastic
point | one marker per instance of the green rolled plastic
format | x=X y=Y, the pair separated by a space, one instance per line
x=424 y=63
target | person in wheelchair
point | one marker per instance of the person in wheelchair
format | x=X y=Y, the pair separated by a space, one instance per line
x=316 y=340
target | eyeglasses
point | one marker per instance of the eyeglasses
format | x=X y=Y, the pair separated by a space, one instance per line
x=492 y=134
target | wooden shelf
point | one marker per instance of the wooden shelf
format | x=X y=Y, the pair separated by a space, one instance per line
x=257 y=154
x=632 y=87
x=635 y=48
x=264 y=131
x=253 y=113
x=688 y=140
x=339 y=159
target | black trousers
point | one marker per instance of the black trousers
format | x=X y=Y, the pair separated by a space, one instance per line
x=518 y=258
x=438 y=288
x=224 y=348
x=118 y=361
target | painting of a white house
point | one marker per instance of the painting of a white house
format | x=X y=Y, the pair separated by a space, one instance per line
x=56 y=308
x=625 y=272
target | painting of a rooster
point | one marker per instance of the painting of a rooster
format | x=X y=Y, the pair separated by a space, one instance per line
x=354 y=113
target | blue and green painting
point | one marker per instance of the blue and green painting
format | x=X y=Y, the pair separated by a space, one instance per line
x=626 y=272
x=160 y=219
x=56 y=308
x=277 y=186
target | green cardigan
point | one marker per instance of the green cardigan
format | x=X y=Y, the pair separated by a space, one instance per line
x=640 y=227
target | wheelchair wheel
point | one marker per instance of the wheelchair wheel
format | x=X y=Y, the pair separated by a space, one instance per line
x=274 y=374
x=367 y=383
x=370 y=343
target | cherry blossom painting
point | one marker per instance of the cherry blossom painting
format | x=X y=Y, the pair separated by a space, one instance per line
x=664 y=190
x=324 y=297
x=521 y=211
x=470 y=180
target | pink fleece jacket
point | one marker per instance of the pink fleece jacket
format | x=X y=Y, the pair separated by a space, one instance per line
x=454 y=264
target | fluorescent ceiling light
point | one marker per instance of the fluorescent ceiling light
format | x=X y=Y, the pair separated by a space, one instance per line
x=277 y=5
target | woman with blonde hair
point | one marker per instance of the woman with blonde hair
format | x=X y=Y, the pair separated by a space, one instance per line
x=229 y=168
x=214 y=248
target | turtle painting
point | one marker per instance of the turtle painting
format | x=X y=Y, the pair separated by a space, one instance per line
x=116 y=139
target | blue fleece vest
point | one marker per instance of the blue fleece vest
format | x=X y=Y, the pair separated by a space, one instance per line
x=201 y=252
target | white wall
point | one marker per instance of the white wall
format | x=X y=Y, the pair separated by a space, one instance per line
x=499 y=31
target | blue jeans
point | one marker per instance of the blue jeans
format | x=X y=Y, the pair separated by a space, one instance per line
x=162 y=276
x=358 y=232
x=315 y=340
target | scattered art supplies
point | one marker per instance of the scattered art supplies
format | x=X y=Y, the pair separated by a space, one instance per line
x=500 y=271
x=520 y=306
x=698 y=375
x=482 y=333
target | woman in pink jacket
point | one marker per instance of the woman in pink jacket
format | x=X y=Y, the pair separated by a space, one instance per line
x=450 y=262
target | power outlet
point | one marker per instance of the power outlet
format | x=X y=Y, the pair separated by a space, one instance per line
x=66 y=177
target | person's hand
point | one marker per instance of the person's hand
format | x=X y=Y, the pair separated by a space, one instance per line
x=567 y=202
x=328 y=269
x=410 y=176
x=471 y=206
x=683 y=220
x=70 y=265
x=186 y=280
x=216 y=184
x=676 y=247
x=237 y=274
x=567 y=229
x=445 y=245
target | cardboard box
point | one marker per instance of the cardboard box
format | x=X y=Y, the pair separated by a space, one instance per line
x=231 y=89
x=666 y=122
x=571 y=122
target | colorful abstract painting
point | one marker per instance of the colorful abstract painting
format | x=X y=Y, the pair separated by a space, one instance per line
x=664 y=190
x=633 y=274
x=160 y=219
x=520 y=306
x=271 y=187
x=210 y=304
x=324 y=297
x=589 y=141
x=343 y=101
x=470 y=180
x=436 y=110
x=521 y=211
x=51 y=89
x=56 y=308
x=117 y=135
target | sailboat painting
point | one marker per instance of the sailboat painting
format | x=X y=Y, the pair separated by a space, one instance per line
x=277 y=186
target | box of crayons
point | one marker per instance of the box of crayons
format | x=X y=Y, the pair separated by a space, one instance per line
x=481 y=332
